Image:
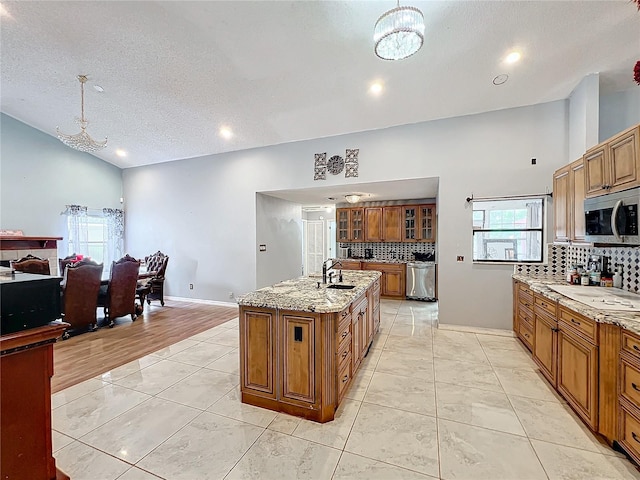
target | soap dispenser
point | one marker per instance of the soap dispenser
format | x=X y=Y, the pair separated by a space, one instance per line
x=617 y=277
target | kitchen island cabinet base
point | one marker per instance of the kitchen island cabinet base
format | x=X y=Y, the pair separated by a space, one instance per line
x=303 y=362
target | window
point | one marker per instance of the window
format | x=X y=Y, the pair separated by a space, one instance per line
x=97 y=234
x=97 y=237
x=508 y=230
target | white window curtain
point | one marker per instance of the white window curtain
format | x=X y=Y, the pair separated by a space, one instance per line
x=114 y=245
x=78 y=226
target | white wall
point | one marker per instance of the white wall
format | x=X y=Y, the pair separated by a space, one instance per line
x=584 y=116
x=279 y=227
x=618 y=111
x=39 y=176
x=202 y=211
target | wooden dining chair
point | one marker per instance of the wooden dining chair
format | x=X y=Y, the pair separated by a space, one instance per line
x=156 y=268
x=81 y=283
x=118 y=298
x=32 y=264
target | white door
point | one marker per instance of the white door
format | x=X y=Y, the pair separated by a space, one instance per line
x=315 y=246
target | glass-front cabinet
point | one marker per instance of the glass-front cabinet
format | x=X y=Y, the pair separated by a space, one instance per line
x=427 y=223
x=410 y=231
x=343 y=224
x=357 y=224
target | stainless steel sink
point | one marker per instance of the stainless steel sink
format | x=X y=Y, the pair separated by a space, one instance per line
x=341 y=286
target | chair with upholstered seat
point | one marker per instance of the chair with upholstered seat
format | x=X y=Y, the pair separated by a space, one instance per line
x=63 y=262
x=118 y=297
x=156 y=268
x=80 y=295
x=32 y=264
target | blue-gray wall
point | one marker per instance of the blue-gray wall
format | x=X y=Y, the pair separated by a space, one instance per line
x=39 y=176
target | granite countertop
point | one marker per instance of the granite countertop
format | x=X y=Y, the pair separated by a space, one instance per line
x=379 y=260
x=303 y=294
x=540 y=284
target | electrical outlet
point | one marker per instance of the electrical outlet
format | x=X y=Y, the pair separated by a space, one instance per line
x=231 y=295
x=460 y=258
x=191 y=286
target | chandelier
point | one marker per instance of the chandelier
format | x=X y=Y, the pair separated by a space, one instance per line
x=399 y=33
x=81 y=141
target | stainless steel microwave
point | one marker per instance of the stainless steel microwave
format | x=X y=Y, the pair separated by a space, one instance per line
x=613 y=218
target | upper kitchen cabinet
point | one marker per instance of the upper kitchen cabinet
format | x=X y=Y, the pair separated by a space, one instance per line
x=427 y=222
x=343 y=217
x=392 y=224
x=410 y=231
x=350 y=224
x=613 y=165
x=373 y=224
x=568 y=202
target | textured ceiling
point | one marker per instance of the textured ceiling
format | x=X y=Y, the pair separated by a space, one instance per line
x=276 y=71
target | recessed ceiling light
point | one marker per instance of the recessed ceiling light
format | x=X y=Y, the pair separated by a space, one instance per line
x=500 y=79
x=226 y=132
x=121 y=153
x=98 y=88
x=513 y=57
x=375 y=88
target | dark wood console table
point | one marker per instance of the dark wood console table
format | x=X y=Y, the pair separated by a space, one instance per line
x=26 y=368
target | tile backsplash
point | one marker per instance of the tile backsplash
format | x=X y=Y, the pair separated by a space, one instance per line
x=561 y=256
x=390 y=250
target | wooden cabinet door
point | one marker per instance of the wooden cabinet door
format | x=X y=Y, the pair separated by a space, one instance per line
x=596 y=171
x=298 y=357
x=343 y=224
x=353 y=265
x=576 y=197
x=561 y=203
x=357 y=225
x=356 y=340
x=393 y=284
x=257 y=351
x=545 y=347
x=427 y=223
x=578 y=375
x=410 y=226
x=624 y=156
x=392 y=224
x=373 y=224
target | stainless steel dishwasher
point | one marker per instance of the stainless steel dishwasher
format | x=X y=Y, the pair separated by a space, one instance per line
x=421 y=281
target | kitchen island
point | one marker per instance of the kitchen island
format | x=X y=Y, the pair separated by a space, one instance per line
x=302 y=341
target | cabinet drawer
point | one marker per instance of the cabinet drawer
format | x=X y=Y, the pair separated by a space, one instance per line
x=526 y=316
x=582 y=325
x=344 y=332
x=630 y=383
x=525 y=291
x=629 y=434
x=344 y=351
x=344 y=319
x=544 y=305
x=630 y=344
x=526 y=334
x=344 y=376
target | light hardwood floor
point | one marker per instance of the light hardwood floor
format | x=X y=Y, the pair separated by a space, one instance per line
x=89 y=354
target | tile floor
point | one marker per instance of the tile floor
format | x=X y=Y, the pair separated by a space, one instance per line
x=427 y=403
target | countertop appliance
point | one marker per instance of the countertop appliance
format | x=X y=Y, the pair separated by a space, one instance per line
x=421 y=281
x=613 y=218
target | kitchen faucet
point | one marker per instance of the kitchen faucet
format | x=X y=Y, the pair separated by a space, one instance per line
x=325 y=269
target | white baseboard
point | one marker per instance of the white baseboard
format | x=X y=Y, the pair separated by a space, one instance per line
x=202 y=300
x=481 y=330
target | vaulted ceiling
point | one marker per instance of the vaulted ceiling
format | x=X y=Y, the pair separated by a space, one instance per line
x=175 y=72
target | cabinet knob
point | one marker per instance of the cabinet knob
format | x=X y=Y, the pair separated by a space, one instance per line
x=635 y=347
x=345 y=378
x=344 y=355
x=635 y=437
x=344 y=334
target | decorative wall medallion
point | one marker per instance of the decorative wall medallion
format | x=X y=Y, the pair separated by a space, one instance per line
x=320 y=169
x=351 y=162
x=335 y=164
